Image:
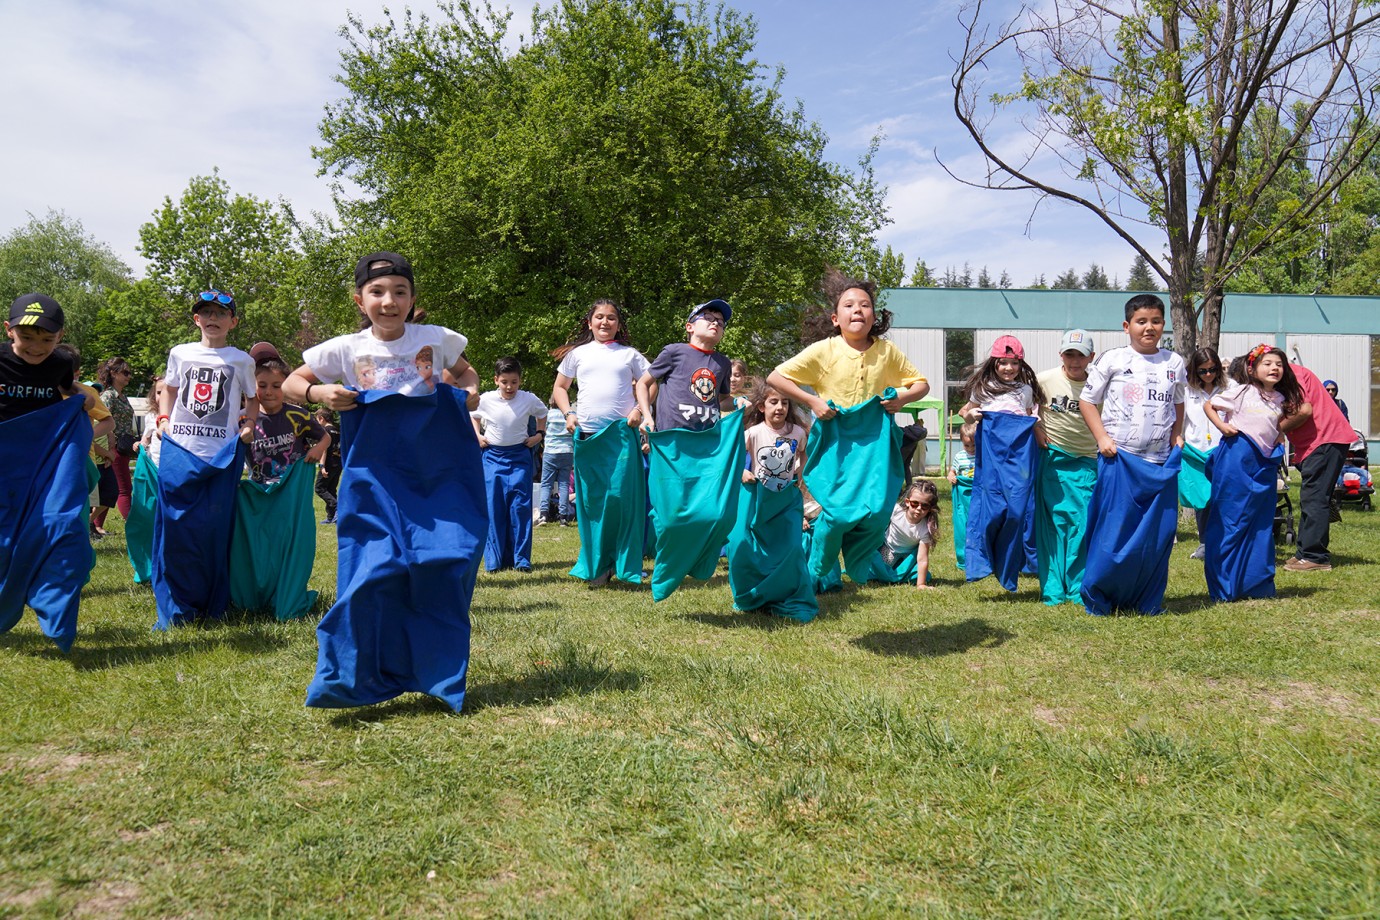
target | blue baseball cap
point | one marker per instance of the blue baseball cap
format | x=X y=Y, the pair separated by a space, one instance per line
x=719 y=306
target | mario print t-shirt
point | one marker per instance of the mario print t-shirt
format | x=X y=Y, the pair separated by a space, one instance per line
x=211 y=386
x=690 y=383
x=410 y=364
x=1138 y=394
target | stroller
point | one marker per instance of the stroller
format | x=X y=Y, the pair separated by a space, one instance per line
x=1284 y=530
x=1354 y=486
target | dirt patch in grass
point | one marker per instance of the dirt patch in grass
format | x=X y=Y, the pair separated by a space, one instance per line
x=107 y=899
x=1048 y=716
x=143 y=833
x=26 y=899
x=49 y=765
x=1297 y=695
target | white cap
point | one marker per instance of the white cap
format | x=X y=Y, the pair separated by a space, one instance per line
x=1076 y=340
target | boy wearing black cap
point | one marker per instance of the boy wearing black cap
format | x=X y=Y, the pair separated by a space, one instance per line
x=31 y=376
x=691 y=378
x=209 y=396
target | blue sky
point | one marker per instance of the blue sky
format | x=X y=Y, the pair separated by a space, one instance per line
x=114 y=107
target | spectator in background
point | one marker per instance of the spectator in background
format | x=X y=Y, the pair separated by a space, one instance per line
x=1331 y=387
x=1319 y=435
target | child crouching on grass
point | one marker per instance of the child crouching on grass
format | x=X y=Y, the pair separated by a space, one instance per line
x=913 y=531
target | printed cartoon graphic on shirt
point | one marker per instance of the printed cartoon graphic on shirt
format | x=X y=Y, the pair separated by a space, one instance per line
x=1064 y=405
x=775 y=463
x=704 y=386
x=411 y=376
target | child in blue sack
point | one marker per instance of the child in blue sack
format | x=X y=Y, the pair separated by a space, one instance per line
x=502 y=421
x=1133 y=404
x=45 y=556
x=411 y=518
x=1002 y=398
x=207 y=413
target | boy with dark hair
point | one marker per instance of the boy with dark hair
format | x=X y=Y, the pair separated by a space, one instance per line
x=45 y=557
x=1133 y=403
x=509 y=422
x=208 y=406
x=31 y=375
x=691 y=378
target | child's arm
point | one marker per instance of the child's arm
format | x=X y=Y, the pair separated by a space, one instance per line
x=537 y=438
x=251 y=418
x=970 y=412
x=789 y=389
x=1092 y=417
x=317 y=452
x=166 y=400
x=465 y=377
x=643 y=389
x=1210 y=411
x=560 y=398
x=1305 y=413
x=1176 y=434
x=303 y=386
x=479 y=431
x=922 y=566
x=910 y=394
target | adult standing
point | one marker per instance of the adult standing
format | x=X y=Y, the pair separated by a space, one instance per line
x=114 y=374
x=1331 y=387
x=1319 y=435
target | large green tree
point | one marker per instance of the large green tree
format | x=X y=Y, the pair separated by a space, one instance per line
x=1142 y=113
x=213 y=238
x=54 y=255
x=633 y=149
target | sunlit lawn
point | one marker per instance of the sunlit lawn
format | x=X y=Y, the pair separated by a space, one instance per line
x=956 y=752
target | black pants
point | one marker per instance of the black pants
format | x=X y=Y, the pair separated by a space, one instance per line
x=1320 y=470
x=326 y=483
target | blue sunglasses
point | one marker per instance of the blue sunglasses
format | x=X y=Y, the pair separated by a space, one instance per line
x=217 y=296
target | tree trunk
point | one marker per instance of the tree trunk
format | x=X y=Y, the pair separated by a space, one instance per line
x=1212 y=319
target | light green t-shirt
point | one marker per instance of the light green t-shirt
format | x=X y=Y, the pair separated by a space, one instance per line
x=1064 y=424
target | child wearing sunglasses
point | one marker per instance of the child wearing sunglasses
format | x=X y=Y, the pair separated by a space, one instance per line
x=1205 y=380
x=913 y=530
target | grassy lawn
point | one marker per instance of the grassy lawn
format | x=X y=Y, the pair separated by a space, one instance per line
x=949 y=753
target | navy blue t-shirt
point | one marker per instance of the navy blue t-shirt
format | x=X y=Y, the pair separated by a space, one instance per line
x=690 y=382
x=26 y=387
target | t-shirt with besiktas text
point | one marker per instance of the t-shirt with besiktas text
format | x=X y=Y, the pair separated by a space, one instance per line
x=211 y=387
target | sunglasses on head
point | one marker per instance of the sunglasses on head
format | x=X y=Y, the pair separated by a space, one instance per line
x=217 y=296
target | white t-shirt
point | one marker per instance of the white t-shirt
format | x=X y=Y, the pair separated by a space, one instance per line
x=902 y=537
x=605 y=374
x=1138 y=394
x=1252 y=412
x=505 y=420
x=1020 y=401
x=410 y=364
x=1198 y=431
x=211 y=386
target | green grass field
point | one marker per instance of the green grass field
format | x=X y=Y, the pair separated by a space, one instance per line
x=948 y=753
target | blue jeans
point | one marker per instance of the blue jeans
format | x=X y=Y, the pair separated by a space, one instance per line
x=556 y=470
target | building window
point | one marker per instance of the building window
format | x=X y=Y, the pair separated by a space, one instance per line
x=1374 y=388
x=958 y=357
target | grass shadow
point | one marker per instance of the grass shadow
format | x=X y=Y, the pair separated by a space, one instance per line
x=935 y=641
x=105 y=647
x=742 y=619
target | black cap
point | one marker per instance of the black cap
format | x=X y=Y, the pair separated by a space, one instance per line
x=392 y=264
x=37 y=310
